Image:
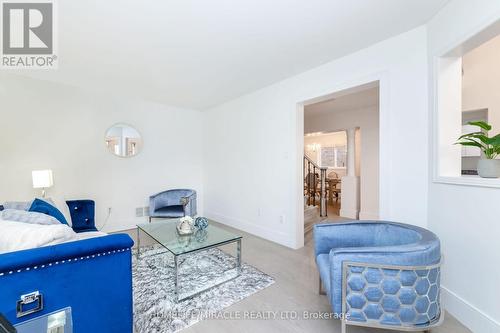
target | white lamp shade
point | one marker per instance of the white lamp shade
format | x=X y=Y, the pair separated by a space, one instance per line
x=42 y=178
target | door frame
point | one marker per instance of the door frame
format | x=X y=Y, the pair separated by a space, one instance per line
x=385 y=165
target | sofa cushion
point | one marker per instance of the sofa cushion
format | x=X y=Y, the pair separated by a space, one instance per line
x=44 y=207
x=170 y=211
x=15 y=236
x=27 y=217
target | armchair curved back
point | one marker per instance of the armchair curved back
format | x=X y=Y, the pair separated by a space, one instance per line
x=171 y=198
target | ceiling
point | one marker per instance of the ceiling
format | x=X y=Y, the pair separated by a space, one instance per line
x=197 y=54
x=354 y=101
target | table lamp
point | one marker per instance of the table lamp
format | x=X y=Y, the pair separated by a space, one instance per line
x=42 y=179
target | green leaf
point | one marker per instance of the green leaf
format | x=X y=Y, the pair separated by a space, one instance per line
x=483 y=138
x=489 y=152
x=484 y=125
x=469 y=134
x=495 y=141
x=476 y=140
x=470 y=143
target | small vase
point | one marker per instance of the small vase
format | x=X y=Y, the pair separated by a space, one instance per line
x=201 y=223
x=488 y=168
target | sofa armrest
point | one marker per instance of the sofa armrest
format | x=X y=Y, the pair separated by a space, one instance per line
x=34 y=257
x=92 y=276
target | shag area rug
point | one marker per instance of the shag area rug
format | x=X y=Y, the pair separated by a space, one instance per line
x=155 y=309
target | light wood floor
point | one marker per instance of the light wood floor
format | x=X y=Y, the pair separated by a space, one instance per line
x=295 y=289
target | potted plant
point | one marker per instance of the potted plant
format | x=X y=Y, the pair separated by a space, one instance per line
x=489 y=166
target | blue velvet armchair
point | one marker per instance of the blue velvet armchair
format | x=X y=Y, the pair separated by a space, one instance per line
x=380 y=274
x=172 y=204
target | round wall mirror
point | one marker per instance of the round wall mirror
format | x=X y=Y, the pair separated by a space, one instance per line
x=123 y=140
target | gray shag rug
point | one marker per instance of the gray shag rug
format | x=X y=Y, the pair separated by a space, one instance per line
x=155 y=310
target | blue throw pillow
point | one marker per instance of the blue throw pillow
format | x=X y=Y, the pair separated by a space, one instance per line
x=44 y=207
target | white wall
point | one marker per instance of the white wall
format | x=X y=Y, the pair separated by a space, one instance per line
x=465 y=217
x=51 y=126
x=253 y=144
x=481 y=81
x=367 y=119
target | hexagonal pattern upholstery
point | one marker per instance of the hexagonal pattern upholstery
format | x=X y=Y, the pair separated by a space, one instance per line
x=394 y=297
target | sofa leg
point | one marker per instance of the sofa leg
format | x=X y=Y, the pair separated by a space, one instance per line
x=320 y=287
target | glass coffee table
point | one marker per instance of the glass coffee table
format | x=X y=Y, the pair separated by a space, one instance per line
x=165 y=234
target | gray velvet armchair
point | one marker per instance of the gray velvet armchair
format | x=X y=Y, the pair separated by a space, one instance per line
x=172 y=204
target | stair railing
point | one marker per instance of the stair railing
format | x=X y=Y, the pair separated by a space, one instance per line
x=314 y=177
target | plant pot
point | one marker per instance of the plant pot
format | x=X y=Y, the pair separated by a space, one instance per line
x=488 y=168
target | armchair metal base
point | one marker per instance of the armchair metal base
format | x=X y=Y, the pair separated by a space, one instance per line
x=427 y=329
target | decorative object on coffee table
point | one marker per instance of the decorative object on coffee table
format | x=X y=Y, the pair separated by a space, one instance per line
x=185 y=226
x=201 y=223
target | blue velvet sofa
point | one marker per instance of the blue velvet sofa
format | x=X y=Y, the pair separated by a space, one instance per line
x=380 y=274
x=172 y=204
x=92 y=276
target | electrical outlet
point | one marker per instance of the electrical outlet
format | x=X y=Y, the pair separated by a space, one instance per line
x=139 y=212
x=146 y=211
x=282 y=219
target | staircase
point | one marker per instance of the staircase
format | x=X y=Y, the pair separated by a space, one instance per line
x=311 y=217
x=314 y=187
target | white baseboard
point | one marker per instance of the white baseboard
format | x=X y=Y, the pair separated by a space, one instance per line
x=368 y=216
x=466 y=313
x=349 y=213
x=266 y=233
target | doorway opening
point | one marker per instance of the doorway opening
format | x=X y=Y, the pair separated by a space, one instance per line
x=341 y=157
